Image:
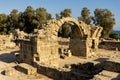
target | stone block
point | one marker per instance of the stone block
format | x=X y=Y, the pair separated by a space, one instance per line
x=111 y=65
x=9 y=71
x=25 y=68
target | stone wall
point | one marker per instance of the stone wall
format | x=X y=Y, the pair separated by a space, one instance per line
x=49 y=71
x=82 y=35
x=84 y=71
x=110 y=45
x=47 y=53
x=6 y=42
x=25 y=68
x=111 y=65
x=43 y=46
x=27 y=50
x=35 y=50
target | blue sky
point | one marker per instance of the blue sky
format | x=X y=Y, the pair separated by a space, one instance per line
x=55 y=6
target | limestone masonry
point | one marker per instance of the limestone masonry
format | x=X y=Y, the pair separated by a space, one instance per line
x=42 y=55
x=43 y=46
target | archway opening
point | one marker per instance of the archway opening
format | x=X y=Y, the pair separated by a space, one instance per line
x=69 y=39
x=65 y=30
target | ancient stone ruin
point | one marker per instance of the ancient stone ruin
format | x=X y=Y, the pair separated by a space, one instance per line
x=44 y=53
x=6 y=41
x=43 y=47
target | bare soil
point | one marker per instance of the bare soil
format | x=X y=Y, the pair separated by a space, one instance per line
x=8 y=60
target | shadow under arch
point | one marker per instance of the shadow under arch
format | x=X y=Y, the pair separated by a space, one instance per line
x=77 y=26
x=77 y=39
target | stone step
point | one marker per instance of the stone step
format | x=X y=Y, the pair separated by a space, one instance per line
x=26 y=68
x=107 y=75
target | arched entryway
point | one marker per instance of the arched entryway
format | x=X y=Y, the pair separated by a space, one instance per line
x=77 y=44
x=84 y=40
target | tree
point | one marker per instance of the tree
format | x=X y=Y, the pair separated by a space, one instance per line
x=57 y=16
x=41 y=17
x=13 y=20
x=65 y=13
x=85 y=15
x=26 y=21
x=105 y=19
x=21 y=21
x=65 y=30
x=114 y=35
x=49 y=16
x=28 y=16
x=3 y=23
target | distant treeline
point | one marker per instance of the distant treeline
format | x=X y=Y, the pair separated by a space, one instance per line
x=115 y=35
x=118 y=32
x=31 y=19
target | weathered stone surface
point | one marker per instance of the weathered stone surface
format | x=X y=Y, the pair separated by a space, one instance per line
x=111 y=65
x=19 y=34
x=6 y=41
x=9 y=71
x=25 y=68
x=43 y=47
x=110 y=45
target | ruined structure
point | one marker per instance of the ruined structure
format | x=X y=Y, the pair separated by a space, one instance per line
x=110 y=45
x=42 y=50
x=6 y=41
x=43 y=47
x=19 y=34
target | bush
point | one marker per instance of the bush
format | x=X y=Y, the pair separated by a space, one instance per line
x=114 y=35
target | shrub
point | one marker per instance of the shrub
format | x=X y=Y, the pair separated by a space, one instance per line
x=114 y=35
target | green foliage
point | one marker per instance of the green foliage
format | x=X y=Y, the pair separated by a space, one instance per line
x=65 y=13
x=30 y=19
x=104 y=18
x=114 y=35
x=13 y=20
x=85 y=15
x=21 y=21
x=28 y=16
x=41 y=17
x=27 y=20
x=57 y=16
x=3 y=23
x=65 y=30
x=49 y=16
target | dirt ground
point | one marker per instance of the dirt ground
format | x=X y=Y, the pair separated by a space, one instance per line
x=100 y=56
x=7 y=61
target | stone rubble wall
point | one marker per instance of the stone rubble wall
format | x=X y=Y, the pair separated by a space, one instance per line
x=19 y=34
x=25 y=68
x=6 y=42
x=110 y=45
x=83 y=41
x=111 y=65
x=83 y=71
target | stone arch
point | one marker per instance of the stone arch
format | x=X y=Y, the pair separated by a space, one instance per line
x=72 y=20
x=78 y=39
x=45 y=42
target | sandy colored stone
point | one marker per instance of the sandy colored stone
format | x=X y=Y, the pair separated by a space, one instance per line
x=43 y=46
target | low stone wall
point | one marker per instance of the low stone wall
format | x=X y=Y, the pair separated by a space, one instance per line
x=25 y=68
x=113 y=66
x=110 y=45
x=50 y=72
x=6 y=42
x=84 y=71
